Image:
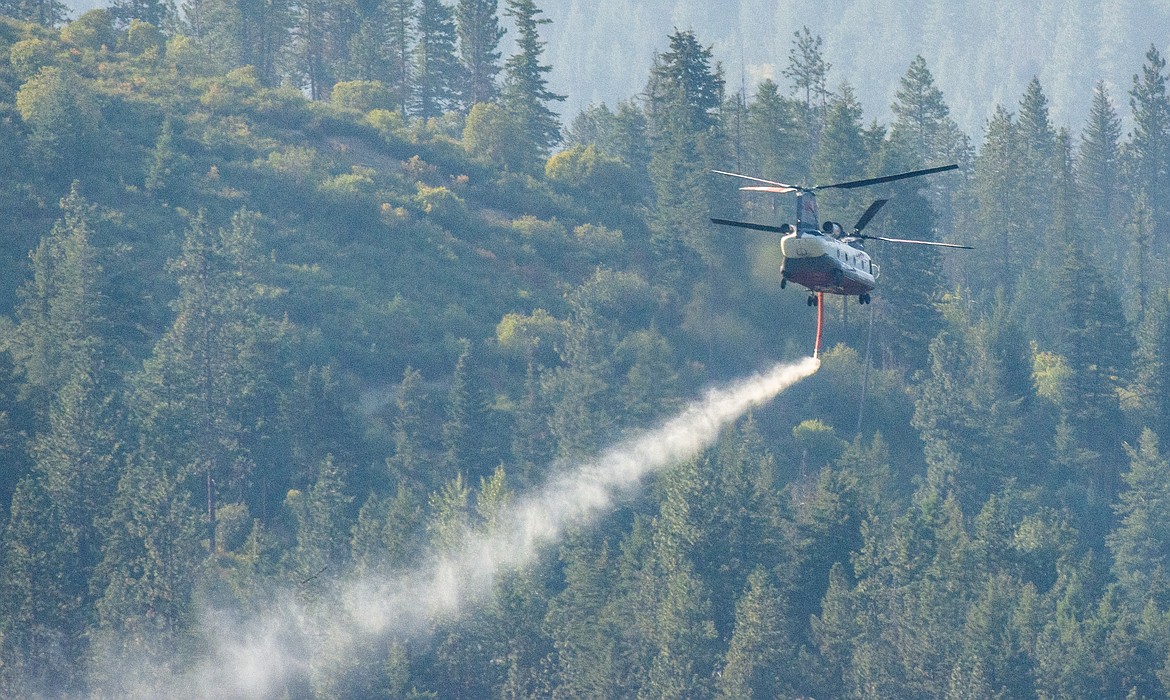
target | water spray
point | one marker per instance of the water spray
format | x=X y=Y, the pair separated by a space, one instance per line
x=257 y=657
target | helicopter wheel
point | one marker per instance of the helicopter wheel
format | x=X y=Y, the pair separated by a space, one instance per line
x=812 y=300
x=783 y=283
x=863 y=299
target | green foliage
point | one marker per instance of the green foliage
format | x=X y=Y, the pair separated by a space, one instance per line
x=407 y=325
x=93 y=30
x=63 y=118
x=362 y=95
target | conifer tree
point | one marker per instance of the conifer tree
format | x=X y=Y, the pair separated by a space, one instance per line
x=156 y=12
x=46 y=13
x=1140 y=544
x=525 y=94
x=197 y=394
x=1148 y=396
x=436 y=70
x=244 y=33
x=683 y=96
x=757 y=660
x=478 y=27
x=1098 y=166
x=455 y=428
x=999 y=215
x=777 y=141
x=322 y=523
x=1148 y=152
x=808 y=71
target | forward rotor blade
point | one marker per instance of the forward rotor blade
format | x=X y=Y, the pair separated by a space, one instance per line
x=907 y=240
x=756 y=179
x=744 y=224
x=885 y=178
x=869 y=214
x=764 y=188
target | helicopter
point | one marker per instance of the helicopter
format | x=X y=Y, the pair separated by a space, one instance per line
x=827 y=259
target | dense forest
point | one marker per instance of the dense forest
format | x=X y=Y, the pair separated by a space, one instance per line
x=299 y=298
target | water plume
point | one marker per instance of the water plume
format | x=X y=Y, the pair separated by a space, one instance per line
x=256 y=657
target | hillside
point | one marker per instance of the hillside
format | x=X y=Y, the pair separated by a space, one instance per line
x=400 y=391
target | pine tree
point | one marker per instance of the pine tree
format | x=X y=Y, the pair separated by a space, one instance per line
x=1140 y=543
x=478 y=27
x=46 y=13
x=198 y=393
x=245 y=33
x=808 y=71
x=322 y=523
x=525 y=94
x=1098 y=167
x=60 y=324
x=777 y=140
x=436 y=69
x=996 y=263
x=156 y=12
x=455 y=428
x=757 y=657
x=1148 y=152
x=683 y=96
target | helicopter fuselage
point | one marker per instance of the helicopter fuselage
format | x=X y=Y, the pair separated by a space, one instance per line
x=825 y=264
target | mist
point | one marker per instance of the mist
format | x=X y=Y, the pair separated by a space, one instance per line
x=257 y=655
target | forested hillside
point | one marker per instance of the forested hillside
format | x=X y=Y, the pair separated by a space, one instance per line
x=294 y=296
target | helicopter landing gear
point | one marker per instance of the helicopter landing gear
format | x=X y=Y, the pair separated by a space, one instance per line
x=863 y=299
x=812 y=300
x=783 y=283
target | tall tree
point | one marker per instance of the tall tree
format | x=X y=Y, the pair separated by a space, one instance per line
x=246 y=33
x=777 y=139
x=198 y=394
x=478 y=27
x=809 y=71
x=1148 y=152
x=1098 y=166
x=436 y=69
x=525 y=93
x=51 y=545
x=1141 y=542
x=683 y=97
x=47 y=13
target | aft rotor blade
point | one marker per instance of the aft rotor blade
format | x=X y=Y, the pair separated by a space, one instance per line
x=885 y=178
x=756 y=179
x=869 y=214
x=907 y=240
x=744 y=224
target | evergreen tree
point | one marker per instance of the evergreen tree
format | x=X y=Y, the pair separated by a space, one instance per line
x=455 y=429
x=757 y=660
x=1141 y=542
x=478 y=27
x=1148 y=152
x=322 y=523
x=46 y=13
x=682 y=98
x=152 y=559
x=996 y=262
x=157 y=12
x=198 y=394
x=436 y=70
x=1098 y=166
x=525 y=94
x=808 y=71
x=245 y=33
x=777 y=140
x=1148 y=396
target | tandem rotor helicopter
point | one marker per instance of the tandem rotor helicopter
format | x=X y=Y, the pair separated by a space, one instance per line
x=827 y=259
